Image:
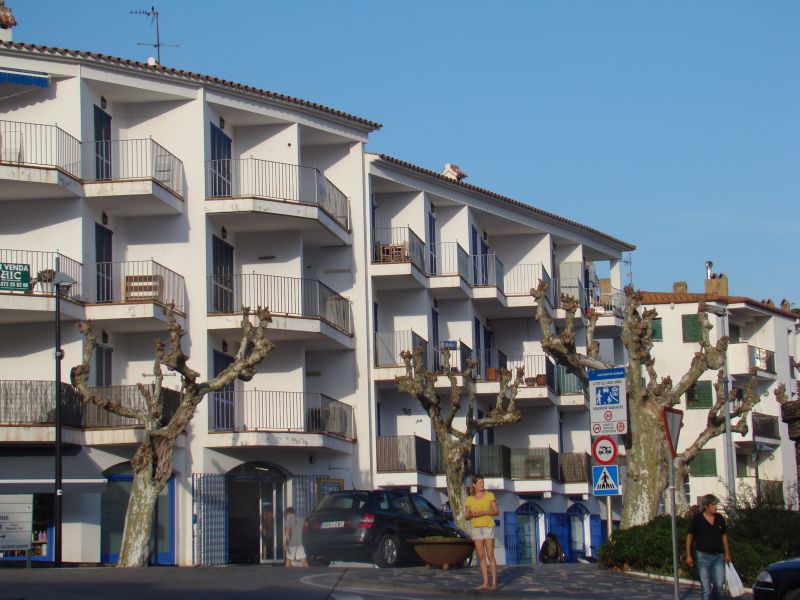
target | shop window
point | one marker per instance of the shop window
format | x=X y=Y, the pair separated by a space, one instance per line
x=41 y=532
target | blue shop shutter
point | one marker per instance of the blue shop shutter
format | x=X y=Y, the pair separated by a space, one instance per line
x=558 y=524
x=595 y=536
x=511 y=537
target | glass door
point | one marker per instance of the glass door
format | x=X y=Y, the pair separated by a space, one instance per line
x=102 y=256
x=222 y=277
x=102 y=144
x=220 y=173
x=223 y=400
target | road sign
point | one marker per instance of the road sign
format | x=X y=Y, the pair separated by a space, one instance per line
x=673 y=421
x=609 y=407
x=16 y=513
x=604 y=450
x=605 y=480
x=15 y=276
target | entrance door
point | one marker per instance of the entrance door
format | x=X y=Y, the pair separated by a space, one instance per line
x=102 y=144
x=255 y=514
x=223 y=400
x=220 y=172
x=528 y=543
x=102 y=257
x=432 y=243
x=222 y=280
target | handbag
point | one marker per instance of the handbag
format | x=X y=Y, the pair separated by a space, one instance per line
x=733 y=581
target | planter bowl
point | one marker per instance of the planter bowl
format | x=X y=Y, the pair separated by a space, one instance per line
x=444 y=553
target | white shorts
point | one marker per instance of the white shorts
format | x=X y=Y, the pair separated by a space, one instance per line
x=482 y=533
x=295 y=552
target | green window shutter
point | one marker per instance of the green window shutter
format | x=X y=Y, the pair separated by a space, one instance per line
x=657 y=331
x=700 y=395
x=735 y=334
x=692 y=331
x=704 y=464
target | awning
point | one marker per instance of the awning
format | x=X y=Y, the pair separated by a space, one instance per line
x=46 y=486
x=24 y=78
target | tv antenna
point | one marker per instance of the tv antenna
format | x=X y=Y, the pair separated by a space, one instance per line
x=153 y=14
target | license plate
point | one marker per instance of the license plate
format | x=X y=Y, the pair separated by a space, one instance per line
x=332 y=524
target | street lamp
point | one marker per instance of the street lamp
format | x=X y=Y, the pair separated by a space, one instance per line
x=60 y=280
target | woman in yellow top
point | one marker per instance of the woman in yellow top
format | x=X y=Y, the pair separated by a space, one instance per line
x=481 y=508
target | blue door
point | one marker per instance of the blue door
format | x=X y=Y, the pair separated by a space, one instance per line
x=511 y=537
x=595 y=533
x=558 y=524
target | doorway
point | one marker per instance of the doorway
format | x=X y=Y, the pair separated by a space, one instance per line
x=104 y=266
x=102 y=144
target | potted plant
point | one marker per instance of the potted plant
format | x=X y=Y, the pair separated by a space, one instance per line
x=44 y=279
x=541 y=379
x=440 y=551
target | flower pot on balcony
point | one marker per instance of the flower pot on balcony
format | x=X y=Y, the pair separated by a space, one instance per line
x=541 y=380
x=492 y=374
x=443 y=552
x=530 y=381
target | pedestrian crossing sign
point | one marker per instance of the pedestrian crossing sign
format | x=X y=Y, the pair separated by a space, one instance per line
x=605 y=480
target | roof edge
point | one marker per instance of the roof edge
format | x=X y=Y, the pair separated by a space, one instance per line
x=693 y=297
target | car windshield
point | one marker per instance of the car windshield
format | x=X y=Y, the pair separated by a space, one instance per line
x=345 y=500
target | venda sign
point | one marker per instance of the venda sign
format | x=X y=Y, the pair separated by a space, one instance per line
x=15 y=276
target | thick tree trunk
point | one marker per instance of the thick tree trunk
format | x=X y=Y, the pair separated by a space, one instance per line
x=135 y=548
x=455 y=454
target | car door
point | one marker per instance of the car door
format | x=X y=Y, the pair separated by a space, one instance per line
x=408 y=525
x=432 y=519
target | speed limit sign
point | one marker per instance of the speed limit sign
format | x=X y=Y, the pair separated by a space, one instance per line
x=604 y=450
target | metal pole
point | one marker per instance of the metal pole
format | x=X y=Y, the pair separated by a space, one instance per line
x=58 y=356
x=730 y=456
x=609 y=517
x=674 y=526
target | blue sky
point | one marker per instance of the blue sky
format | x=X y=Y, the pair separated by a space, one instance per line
x=672 y=125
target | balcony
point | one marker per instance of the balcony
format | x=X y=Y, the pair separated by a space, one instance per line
x=607 y=301
x=538 y=378
x=518 y=281
x=743 y=357
x=575 y=467
x=448 y=270
x=38 y=161
x=132 y=178
x=302 y=309
x=129 y=296
x=491 y=461
x=460 y=353
x=398 y=259
x=262 y=195
x=403 y=453
x=566 y=383
x=486 y=279
x=389 y=345
x=535 y=463
x=766 y=426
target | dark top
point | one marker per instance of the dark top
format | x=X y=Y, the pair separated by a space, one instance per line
x=707 y=537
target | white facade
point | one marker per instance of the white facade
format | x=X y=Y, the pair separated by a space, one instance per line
x=762 y=336
x=149 y=186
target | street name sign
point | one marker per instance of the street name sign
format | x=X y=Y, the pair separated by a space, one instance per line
x=16 y=515
x=15 y=276
x=605 y=480
x=608 y=401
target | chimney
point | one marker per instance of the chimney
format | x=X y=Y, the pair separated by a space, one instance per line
x=786 y=305
x=717 y=285
x=7 y=21
x=680 y=287
x=452 y=171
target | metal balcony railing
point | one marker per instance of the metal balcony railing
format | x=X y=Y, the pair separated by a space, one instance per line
x=490 y=361
x=42 y=265
x=446 y=259
x=399 y=245
x=518 y=280
x=607 y=301
x=486 y=270
x=535 y=463
x=252 y=177
x=766 y=426
x=491 y=461
x=534 y=365
x=403 y=453
x=33 y=144
x=288 y=296
x=460 y=353
x=763 y=360
x=138 y=281
x=25 y=402
x=389 y=345
x=261 y=410
x=568 y=287
x=574 y=467
x=129 y=160
x=565 y=382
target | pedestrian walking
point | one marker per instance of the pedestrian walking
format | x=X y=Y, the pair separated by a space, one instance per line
x=710 y=536
x=293 y=539
x=480 y=509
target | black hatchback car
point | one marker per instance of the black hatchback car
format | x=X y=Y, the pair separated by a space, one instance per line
x=373 y=526
x=779 y=581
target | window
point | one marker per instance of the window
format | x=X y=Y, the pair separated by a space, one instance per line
x=424 y=508
x=102 y=366
x=704 y=464
x=734 y=333
x=700 y=395
x=656 y=330
x=692 y=328
x=400 y=503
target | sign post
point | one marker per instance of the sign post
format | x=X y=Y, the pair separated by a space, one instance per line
x=673 y=420
x=608 y=401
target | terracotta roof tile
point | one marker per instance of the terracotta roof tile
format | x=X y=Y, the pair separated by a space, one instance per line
x=689 y=298
x=537 y=211
x=181 y=74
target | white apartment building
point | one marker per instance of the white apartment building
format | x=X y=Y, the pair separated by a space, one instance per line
x=149 y=185
x=763 y=337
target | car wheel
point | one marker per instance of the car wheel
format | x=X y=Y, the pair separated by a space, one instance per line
x=316 y=561
x=387 y=554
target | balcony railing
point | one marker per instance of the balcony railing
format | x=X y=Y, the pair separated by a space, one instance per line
x=460 y=353
x=252 y=177
x=763 y=360
x=575 y=467
x=520 y=279
x=260 y=410
x=389 y=345
x=565 y=382
x=533 y=365
x=136 y=282
x=47 y=261
x=490 y=361
x=399 y=245
x=607 y=301
x=447 y=259
x=766 y=426
x=130 y=160
x=32 y=144
x=486 y=270
x=535 y=463
x=24 y=402
x=491 y=461
x=568 y=287
x=289 y=296
x=403 y=453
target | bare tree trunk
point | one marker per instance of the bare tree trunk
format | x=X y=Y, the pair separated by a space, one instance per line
x=642 y=489
x=455 y=454
x=135 y=548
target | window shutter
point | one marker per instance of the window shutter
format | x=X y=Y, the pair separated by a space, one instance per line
x=692 y=331
x=735 y=334
x=704 y=464
x=700 y=395
x=656 y=330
